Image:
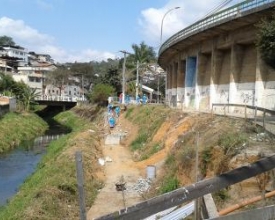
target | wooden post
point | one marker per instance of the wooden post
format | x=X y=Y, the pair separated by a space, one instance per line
x=79 y=173
x=245 y=112
x=196 y=212
x=212 y=111
x=264 y=118
x=255 y=119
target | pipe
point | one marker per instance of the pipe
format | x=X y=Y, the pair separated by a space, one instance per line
x=244 y=203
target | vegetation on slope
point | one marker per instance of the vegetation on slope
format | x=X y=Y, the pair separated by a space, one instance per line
x=17 y=127
x=148 y=118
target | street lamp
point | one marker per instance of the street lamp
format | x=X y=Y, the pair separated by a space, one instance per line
x=162 y=22
x=161 y=39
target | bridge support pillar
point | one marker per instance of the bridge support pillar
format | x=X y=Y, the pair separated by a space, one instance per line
x=235 y=71
x=259 y=84
x=190 y=82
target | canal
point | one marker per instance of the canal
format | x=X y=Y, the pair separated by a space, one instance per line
x=18 y=164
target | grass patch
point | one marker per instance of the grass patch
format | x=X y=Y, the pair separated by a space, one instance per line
x=149 y=118
x=168 y=184
x=232 y=142
x=18 y=127
x=221 y=196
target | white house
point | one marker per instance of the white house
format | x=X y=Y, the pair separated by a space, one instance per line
x=16 y=52
x=34 y=76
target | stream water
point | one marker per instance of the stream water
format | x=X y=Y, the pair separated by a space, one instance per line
x=18 y=164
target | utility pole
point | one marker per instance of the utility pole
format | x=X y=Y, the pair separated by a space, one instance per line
x=137 y=81
x=123 y=75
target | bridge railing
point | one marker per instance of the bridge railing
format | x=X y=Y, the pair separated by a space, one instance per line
x=213 y=20
x=60 y=98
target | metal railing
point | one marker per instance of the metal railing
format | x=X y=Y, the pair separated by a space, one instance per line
x=223 y=16
x=266 y=118
x=60 y=98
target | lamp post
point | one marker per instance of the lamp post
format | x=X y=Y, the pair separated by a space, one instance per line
x=161 y=41
x=137 y=80
x=163 y=20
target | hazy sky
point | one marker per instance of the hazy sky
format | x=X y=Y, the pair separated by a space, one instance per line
x=86 y=30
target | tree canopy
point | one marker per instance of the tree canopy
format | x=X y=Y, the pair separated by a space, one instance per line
x=5 y=40
x=266 y=40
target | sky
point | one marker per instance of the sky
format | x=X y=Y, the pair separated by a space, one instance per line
x=95 y=30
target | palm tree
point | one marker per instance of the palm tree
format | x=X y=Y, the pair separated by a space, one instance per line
x=138 y=61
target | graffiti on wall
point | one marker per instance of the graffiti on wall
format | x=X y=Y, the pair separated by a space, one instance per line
x=223 y=96
x=247 y=97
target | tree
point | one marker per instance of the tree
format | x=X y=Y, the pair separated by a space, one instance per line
x=143 y=55
x=6 y=83
x=5 y=40
x=59 y=77
x=100 y=93
x=266 y=40
x=24 y=94
x=84 y=71
x=112 y=78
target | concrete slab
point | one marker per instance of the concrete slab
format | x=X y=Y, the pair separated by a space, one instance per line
x=112 y=139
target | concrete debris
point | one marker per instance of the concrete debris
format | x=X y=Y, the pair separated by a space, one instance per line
x=142 y=185
x=101 y=161
x=108 y=159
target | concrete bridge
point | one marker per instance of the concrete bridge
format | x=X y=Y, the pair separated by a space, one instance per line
x=63 y=101
x=215 y=61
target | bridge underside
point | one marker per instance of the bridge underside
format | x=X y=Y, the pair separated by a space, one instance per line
x=63 y=104
x=220 y=65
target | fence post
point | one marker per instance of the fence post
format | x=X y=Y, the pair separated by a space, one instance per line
x=264 y=119
x=79 y=173
x=212 y=111
x=255 y=117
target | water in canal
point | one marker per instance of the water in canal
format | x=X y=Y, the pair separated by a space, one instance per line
x=17 y=165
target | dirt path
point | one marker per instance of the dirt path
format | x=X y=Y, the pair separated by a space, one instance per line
x=122 y=165
x=109 y=199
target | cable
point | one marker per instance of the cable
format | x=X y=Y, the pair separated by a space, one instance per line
x=217 y=8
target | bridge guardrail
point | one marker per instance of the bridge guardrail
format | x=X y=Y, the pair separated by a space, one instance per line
x=60 y=98
x=212 y=20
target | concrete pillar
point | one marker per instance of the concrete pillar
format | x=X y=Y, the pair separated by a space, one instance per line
x=235 y=68
x=174 y=84
x=203 y=80
x=259 y=83
x=170 y=84
x=181 y=81
x=190 y=82
x=215 y=71
x=197 y=91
